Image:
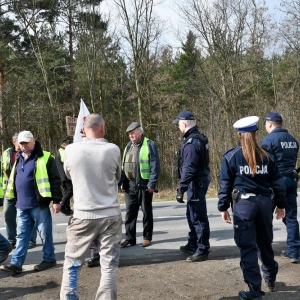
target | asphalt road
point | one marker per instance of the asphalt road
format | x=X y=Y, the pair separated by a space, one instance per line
x=170 y=232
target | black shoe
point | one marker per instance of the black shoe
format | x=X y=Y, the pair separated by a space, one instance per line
x=246 y=295
x=44 y=265
x=285 y=255
x=4 y=254
x=197 y=257
x=188 y=249
x=13 y=245
x=31 y=245
x=12 y=268
x=94 y=261
x=66 y=211
x=127 y=244
x=270 y=286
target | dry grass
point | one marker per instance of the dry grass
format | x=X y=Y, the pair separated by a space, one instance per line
x=169 y=195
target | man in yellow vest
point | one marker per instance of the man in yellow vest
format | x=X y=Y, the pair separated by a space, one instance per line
x=34 y=182
x=139 y=180
x=9 y=207
x=66 y=182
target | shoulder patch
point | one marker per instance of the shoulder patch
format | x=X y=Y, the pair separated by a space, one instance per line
x=230 y=153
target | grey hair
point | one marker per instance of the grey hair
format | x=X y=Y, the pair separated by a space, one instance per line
x=15 y=137
x=140 y=129
x=190 y=123
x=93 y=121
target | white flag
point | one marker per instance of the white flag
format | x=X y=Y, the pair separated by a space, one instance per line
x=83 y=113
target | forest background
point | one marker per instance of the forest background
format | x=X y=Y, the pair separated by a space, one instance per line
x=234 y=60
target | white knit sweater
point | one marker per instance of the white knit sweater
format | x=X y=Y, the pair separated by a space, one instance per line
x=94 y=166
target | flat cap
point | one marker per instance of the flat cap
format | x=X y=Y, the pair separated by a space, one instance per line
x=66 y=139
x=132 y=126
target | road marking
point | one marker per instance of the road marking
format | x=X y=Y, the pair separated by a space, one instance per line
x=62 y=224
x=165 y=217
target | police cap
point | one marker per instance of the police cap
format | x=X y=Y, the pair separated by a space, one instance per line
x=132 y=126
x=273 y=116
x=184 y=115
x=66 y=140
x=247 y=124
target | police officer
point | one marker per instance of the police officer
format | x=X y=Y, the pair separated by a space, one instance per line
x=251 y=172
x=193 y=174
x=66 y=182
x=285 y=149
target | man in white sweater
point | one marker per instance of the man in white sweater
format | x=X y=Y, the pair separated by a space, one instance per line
x=94 y=166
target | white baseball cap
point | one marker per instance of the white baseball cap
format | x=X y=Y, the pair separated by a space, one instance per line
x=25 y=136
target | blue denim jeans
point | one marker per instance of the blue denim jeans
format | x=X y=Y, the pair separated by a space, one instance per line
x=41 y=217
x=10 y=217
x=4 y=243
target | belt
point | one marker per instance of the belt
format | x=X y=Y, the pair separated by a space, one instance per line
x=246 y=196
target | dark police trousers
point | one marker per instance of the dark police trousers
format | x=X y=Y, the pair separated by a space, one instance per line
x=290 y=220
x=253 y=234
x=68 y=193
x=197 y=215
x=134 y=199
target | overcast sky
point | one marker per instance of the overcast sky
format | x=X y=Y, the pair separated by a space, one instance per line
x=166 y=10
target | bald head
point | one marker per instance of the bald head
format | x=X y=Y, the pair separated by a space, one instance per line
x=94 y=126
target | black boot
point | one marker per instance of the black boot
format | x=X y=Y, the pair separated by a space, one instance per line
x=94 y=261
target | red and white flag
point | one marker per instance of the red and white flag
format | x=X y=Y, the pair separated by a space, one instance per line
x=83 y=113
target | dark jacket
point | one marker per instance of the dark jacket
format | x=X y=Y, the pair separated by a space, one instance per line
x=54 y=178
x=236 y=174
x=60 y=167
x=154 y=167
x=192 y=154
x=284 y=147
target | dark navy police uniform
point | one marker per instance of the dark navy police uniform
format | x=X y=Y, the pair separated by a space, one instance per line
x=252 y=215
x=195 y=181
x=285 y=149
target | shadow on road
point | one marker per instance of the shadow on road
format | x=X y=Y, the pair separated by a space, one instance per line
x=12 y=292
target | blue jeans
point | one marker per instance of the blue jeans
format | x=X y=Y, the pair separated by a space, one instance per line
x=290 y=220
x=41 y=217
x=10 y=217
x=4 y=243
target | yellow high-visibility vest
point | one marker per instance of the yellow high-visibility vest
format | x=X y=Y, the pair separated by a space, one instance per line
x=41 y=178
x=143 y=159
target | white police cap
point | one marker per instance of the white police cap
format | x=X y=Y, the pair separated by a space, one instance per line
x=247 y=124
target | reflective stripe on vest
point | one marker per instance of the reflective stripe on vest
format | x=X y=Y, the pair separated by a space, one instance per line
x=62 y=154
x=10 y=185
x=41 y=175
x=41 y=178
x=144 y=159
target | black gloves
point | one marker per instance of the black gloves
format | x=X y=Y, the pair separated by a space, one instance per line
x=179 y=196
